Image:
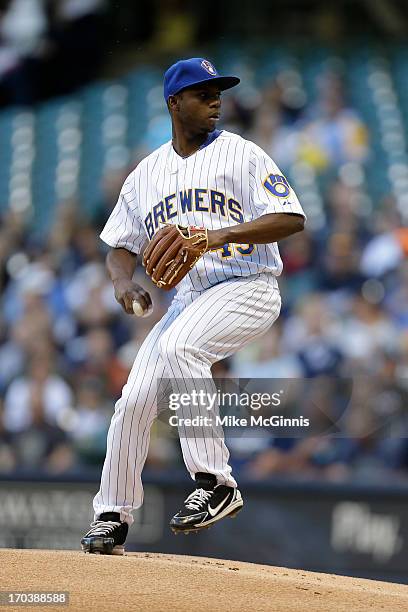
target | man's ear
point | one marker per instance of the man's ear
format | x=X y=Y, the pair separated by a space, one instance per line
x=173 y=103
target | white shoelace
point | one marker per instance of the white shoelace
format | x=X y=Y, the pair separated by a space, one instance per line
x=102 y=527
x=197 y=498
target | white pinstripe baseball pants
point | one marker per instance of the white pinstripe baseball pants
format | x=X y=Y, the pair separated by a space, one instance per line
x=199 y=329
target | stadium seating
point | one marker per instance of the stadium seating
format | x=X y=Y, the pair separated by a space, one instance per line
x=62 y=148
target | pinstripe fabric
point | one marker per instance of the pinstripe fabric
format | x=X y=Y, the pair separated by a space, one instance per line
x=182 y=346
x=231 y=166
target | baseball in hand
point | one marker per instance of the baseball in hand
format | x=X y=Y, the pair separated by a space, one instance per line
x=138 y=309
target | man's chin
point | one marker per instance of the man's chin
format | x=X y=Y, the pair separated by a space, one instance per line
x=211 y=127
x=207 y=129
x=212 y=124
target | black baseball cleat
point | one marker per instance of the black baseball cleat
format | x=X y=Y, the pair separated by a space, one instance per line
x=107 y=535
x=206 y=505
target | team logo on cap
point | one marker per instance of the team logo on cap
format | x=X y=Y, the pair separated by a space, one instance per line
x=209 y=67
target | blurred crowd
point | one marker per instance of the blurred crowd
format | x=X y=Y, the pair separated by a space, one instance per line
x=66 y=347
x=48 y=47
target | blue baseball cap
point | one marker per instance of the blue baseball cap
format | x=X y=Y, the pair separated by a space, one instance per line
x=186 y=73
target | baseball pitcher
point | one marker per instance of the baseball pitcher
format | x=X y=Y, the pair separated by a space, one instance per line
x=212 y=207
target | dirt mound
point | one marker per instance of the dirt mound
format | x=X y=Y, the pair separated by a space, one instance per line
x=147 y=581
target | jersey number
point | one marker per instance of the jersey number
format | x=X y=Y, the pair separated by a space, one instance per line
x=243 y=249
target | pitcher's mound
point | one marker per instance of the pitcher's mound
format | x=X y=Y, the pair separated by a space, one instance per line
x=147 y=581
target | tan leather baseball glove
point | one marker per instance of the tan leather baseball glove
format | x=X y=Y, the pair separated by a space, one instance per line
x=172 y=252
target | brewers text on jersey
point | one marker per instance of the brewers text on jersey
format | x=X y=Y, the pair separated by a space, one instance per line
x=236 y=182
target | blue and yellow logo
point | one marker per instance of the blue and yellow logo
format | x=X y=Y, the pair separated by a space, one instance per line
x=277 y=185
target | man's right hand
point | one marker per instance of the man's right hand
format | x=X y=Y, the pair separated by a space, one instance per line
x=126 y=291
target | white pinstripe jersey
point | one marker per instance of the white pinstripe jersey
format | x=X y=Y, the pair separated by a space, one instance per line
x=228 y=181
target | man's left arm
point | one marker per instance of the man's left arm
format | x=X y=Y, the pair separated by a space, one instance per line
x=264 y=230
x=279 y=210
